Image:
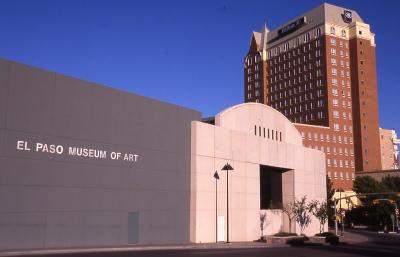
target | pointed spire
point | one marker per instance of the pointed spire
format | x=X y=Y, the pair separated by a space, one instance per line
x=265 y=28
x=264 y=33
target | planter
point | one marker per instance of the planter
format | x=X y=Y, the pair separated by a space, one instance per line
x=290 y=240
x=329 y=239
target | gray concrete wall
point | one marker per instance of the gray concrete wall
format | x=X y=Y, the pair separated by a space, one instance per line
x=51 y=199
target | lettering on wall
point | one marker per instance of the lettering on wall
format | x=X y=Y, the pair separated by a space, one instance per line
x=75 y=151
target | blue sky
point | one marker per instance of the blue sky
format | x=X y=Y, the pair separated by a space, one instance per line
x=185 y=52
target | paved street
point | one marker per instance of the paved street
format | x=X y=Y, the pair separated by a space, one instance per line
x=355 y=244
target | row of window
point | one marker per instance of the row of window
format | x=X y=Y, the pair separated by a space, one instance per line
x=341 y=43
x=335 y=82
x=306 y=37
x=293 y=90
x=334 y=63
x=296 y=52
x=339 y=163
x=341 y=53
x=339 y=175
x=267 y=133
x=327 y=137
x=333 y=32
x=249 y=59
x=293 y=43
x=344 y=116
x=285 y=66
x=335 y=92
x=335 y=102
x=335 y=73
x=335 y=151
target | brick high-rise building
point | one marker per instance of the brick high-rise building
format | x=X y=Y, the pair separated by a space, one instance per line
x=319 y=70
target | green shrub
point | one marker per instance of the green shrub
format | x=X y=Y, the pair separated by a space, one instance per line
x=285 y=234
x=325 y=234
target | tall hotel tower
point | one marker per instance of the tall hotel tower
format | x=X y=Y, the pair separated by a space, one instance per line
x=319 y=70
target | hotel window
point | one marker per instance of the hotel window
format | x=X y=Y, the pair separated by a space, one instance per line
x=302 y=135
x=327 y=138
x=334 y=82
x=346 y=152
x=335 y=102
x=345 y=128
x=334 y=91
x=340 y=141
x=334 y=163
x=352 y=164
x=307 y=37
x=286 y=46
x=321 y=137
x=341 y=175
x=333 y=51
x=344 y=116
x=336 y=127
x=349 y=115
x=333 y=61
x=332 y=30
x=334 y=150
x=316 y=137
x=329 y=174
x=333 y=41
x=257 y=58
x=341 y=53
x=335 y=114
x=343 y=33
x=341 y=163
x=347 y=176
x=345 y=139
x=335 y=174
x=334 y=71
x=348 y=74
x=342 y=73
x=318 y=32
x=329 y=162
x=352 y=176
x=328 y=150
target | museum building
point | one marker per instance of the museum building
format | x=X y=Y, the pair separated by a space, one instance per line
x=82 y=164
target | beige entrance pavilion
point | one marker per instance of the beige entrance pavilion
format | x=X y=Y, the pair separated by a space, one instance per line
x=253 y=138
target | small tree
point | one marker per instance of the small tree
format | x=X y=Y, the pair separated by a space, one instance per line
x=302 y=213
x=263 y=221
x=288 y=209
x=330 y=192
x=320 y=211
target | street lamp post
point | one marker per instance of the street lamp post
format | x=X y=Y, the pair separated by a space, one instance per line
x=227 y=167
x=216 y=176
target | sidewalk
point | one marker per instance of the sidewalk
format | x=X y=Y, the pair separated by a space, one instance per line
x=352 y=238
x=348 y=237
x=130 y=248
